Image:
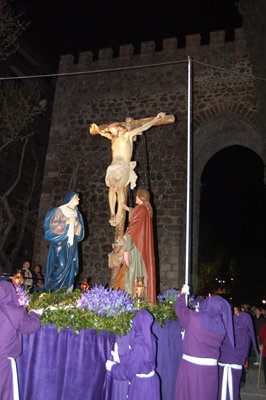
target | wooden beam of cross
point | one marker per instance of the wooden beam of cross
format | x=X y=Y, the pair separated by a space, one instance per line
x=131 y=123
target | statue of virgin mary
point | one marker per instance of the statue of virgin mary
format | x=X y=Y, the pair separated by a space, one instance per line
x=64 y=228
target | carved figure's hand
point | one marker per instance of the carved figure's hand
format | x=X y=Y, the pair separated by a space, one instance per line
x=125 y=207
x=161 y=115
x=94 y=129
x=71 y=220
x=120 y=241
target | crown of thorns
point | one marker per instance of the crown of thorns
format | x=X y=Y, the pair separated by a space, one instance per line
x=117 y=125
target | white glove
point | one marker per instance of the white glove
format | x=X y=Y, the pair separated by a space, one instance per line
x=51 y=308
x=185 y=289
x=39 y=312
x=109 y=364
x=115 y=354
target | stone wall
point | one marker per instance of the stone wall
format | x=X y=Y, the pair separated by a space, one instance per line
x=140 y=86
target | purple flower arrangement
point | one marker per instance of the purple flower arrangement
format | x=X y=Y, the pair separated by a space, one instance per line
x=171 y=295
x=168 y=296
x=106 y=302
x=192 y=302
x=22 y=295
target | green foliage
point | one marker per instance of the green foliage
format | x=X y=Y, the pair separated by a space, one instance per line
x=56 y=299
x=163 y=312
x=11 y=28
x=79 y=318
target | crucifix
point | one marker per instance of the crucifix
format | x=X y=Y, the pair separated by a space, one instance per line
x=120 y=173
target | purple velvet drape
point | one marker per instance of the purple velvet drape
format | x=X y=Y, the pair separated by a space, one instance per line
x=61 y=366
x=169 y=356
x=56 y=366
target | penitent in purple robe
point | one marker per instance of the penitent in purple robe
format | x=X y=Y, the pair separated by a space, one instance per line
x=140 y=359
x=14 y=320
x=236 y=356
x=204 y=333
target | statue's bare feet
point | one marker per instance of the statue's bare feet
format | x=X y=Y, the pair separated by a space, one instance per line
x=112 y=220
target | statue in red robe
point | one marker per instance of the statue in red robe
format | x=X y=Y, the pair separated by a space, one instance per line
x=139 y=248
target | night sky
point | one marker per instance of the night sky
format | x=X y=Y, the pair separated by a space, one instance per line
x=233 y=198
x=69 y=26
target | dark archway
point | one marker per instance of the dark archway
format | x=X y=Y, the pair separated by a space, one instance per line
x=232 y=232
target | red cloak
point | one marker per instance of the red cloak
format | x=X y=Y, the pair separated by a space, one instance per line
x=141 y=232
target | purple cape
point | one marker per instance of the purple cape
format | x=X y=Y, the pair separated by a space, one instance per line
x=14 y=320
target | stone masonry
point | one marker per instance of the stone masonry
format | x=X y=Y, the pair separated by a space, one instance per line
x=224 y=108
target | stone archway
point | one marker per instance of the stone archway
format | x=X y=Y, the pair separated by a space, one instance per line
x=224 y=130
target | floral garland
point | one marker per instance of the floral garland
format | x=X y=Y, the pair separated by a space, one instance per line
x=22 y=295
x=97 y=308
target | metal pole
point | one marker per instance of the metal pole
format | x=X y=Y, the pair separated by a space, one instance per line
x=188 y=174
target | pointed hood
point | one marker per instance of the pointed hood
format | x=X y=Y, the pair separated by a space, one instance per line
x=217 y=316
x=8 y=294
x=141 y=331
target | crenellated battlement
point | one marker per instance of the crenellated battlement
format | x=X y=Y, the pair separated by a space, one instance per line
x=171 y=49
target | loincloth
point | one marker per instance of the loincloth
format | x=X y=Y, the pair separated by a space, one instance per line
x=118 y=171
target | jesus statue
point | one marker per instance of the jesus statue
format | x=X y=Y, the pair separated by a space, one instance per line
x=120 y=173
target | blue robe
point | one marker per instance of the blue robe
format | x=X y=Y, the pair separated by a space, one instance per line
x=62 y=262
